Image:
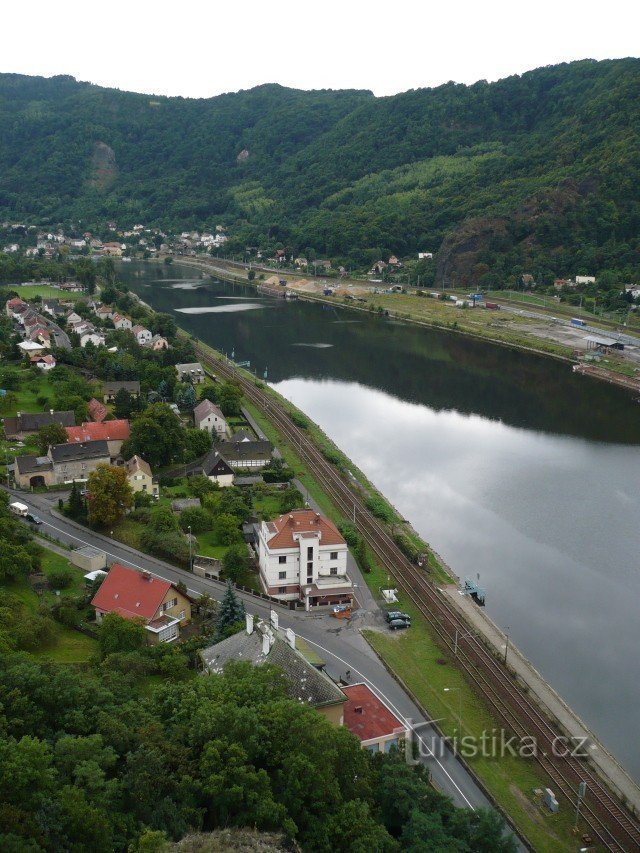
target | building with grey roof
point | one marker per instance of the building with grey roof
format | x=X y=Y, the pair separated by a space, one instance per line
x=263 y=644
x=25 y=424
x=63 y=463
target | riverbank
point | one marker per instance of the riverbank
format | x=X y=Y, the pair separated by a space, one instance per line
x=505 y=328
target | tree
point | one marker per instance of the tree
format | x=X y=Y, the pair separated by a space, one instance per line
x=197 y=443
x=124 y=404
x=236 y=563
x=226 y=528
x=231 y=611
x=157 y=436
x=196 y=518
x=109 y=495
x=230 y=399
x=51 y=434
x=120 y=635
x=76 y=507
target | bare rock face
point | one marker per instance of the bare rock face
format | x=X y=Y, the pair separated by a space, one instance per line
x=104 y=169
x=243 y=155
x=238 y=840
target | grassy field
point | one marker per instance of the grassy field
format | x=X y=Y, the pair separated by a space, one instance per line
x=28 y=291
x=31 y=386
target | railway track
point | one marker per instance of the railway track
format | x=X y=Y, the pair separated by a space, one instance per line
x=607 y=821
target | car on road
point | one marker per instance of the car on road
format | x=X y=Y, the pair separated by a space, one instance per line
x=397 y=614
x=33 y=518
x=399 y=624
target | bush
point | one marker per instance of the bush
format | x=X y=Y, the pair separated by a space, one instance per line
x=142 y=499
x=67 y=615
x=379 y=507
x=165 y=480
x=168 y=544
x=277 y=475
x=60 y=578
x=350 y=533
x=141 y=514
x=406 y=546
x=332 y=455
x=299 y=420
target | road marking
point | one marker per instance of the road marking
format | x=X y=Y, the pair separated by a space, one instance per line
x=376 y=690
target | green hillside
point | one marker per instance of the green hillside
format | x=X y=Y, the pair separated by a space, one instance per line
x=533 y=173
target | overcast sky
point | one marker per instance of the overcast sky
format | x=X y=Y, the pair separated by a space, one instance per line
x=200 y=48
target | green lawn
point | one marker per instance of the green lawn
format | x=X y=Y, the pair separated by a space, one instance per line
x=28 y=291
x=31 y=386
x=208 y=547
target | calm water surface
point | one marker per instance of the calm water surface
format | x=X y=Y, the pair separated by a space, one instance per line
x=510 y=466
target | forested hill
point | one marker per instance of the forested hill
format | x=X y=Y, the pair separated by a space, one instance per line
x=533 y=173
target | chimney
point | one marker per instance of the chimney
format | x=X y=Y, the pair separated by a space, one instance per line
x=274 y=620
x=291 y=637
x=146 y=576
x=266 y=644
x=249 y=622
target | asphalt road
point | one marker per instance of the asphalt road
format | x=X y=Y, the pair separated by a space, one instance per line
x=339 y=642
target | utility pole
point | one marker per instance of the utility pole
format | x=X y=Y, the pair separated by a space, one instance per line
x=582 y=789
x=506 y=647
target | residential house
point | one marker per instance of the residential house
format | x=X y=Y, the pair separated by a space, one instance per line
x=94 y=337
x=246 y=454
x=158 y=343
x=140 y=477
x=70 y=287
x=559 y=283
x=138 y=595
x=30 y=348
x=53 y=307
x=585 y=279
x=190 y=373
x=371 y=721
x=121 y=322
x=13 y=307
x=113 y=249
x=44 y=362
x=25 y=424
x=63 y=463
x=97 y=410
x=425 y=256
x=377 y=268
x=214 y=467
x=115 y=433
x=110 y=389
x=303 y=557
x=143 y=336
x=103 y=312
x=262 y=644
x=393 y=261
x=74 y=320
x=208 y=416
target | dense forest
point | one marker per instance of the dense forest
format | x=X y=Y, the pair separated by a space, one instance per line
x=534 y=173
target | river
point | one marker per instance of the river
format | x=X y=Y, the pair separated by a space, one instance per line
x=510 y=465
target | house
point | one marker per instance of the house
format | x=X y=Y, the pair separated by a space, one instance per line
x=74 y=320
x=140 y=477
x=158 y=343
x=393 y=261
x=214 y=467
x=13 y=307
x=95 y=338
x=31 y=348
x=266 y=644
x=190 y=373
x=113 y=249
x=25 y=424
x=110 y=389
x=425 y=256
x=103 y=312
x=115 y=433
x=585 y=279
x=303 y=557
x=97 y=410
x=371 y=721
x=53 y=307
x=44 y=362
x=139 y=595
x=143 y=336
x=208 y=416
x=246 y=454
x=121 y=322
x=63 y=463
x=377 y=268
x=559 y=283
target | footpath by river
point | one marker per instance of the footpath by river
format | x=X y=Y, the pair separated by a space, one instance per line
x=510 y=466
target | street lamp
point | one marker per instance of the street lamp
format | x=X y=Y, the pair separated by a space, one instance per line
x=456 y=690
x=507 y=628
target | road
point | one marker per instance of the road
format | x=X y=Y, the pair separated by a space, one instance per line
x=339 y=643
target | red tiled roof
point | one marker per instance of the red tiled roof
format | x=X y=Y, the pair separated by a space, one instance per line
x=97 y=410
x=130 y=593
x=303 y=521
x=373 y=719
x=107 y=431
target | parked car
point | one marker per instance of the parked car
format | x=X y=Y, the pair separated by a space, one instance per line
x=397 y=614
x=33 y=518
x=399 y=624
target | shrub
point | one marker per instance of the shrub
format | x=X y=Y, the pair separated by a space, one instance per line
x=169 y=544
x=67 y=615
x=299 y=420
x=141 y=514
x=331 y=455
x=379 y=507
x=60 y=578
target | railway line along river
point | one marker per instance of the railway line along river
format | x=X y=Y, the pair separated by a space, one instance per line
x=509 y=464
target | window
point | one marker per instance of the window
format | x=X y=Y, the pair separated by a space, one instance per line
x=310 y=553
x=282 y=575
x=282 y=590
x=333 y=570
x=167 y=634
x=282 y=560
x=309 y=568
x=169 y=604
x=333 y=555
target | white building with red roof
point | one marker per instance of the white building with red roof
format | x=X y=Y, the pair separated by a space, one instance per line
x=303 y=557
x=140 y=595
x=371 y=721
